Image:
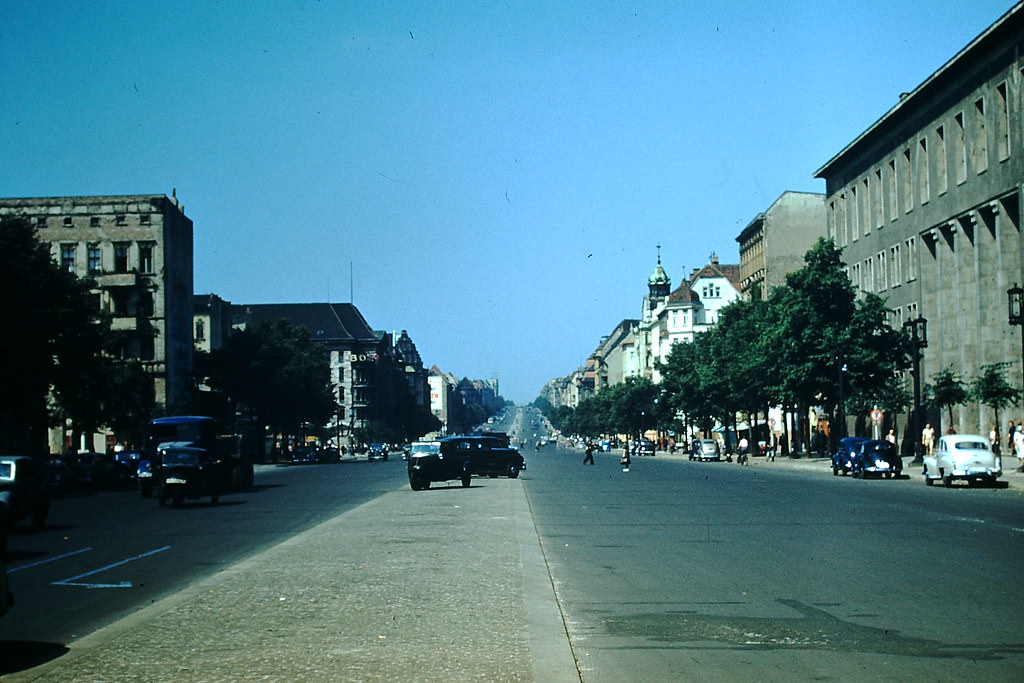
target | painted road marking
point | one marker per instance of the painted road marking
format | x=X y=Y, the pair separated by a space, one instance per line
x=73 y=581
x=49 y=559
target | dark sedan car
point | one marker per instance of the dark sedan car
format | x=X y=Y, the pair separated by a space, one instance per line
x=842 y=460
x=460 y=457
x=23 y=493
x=877 y=458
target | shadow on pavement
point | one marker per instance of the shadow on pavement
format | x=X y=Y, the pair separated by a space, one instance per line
x=18 y=655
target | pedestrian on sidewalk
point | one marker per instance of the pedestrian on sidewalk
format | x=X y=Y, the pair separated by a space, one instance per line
x=590 y=453
x=928 y=439
x=1018 y=446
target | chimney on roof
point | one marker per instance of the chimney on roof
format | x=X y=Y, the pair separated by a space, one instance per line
x=714 y=259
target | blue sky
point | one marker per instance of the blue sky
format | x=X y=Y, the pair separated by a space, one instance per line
x=495 y=176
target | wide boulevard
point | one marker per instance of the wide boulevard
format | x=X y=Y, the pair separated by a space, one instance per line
x=674 y=570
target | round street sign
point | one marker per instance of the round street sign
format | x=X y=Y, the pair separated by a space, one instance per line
x=877 y=415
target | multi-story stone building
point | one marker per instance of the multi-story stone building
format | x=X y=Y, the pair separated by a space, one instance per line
x=926 y=204
x=211 y=322
x=615 y=357
x=684 y=312
x=444 y=398
x=362 y=366
x=774 y=243
x=138 y=250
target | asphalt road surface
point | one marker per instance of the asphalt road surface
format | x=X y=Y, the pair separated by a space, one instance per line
x=671 y=571
x=106 y=554
x=680 y=570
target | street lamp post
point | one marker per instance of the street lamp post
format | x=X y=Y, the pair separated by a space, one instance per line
x=841 y=408
x=916 y=332
x=1015 y=301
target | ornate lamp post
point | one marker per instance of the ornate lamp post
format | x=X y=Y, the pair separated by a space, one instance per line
x=1015 y=301
x=916 y=333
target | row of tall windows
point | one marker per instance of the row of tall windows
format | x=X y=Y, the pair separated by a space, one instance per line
x=923 y=168
x=120 y=255
x=887 y=269
x=120 y=219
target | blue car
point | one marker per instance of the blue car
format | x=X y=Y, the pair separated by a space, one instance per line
x=843 y=459
x=878 y=459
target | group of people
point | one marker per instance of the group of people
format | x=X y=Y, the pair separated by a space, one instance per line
x=625 y=460
x=1014 y=442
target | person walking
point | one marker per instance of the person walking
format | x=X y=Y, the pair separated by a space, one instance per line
x=928 y=439
x=625 y=460
x=993 y=436
x=1018 y=446
x=590 y=453
x=891 y=437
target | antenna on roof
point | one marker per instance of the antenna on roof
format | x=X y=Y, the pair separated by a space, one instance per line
x=351 y=286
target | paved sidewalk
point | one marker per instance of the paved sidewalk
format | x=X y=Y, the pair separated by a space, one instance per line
x=440 y=585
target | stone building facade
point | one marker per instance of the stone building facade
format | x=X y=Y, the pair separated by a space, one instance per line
x=926 y=204
x=138 y=250
x=362 y=367
x=774 y=243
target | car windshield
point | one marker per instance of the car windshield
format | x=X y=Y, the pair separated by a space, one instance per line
x=426 y=448
x=970 y=446
x=182 y=457
x=6 y=470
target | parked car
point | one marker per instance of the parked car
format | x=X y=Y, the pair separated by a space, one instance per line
x=378 y=451
x=23 y=492
x=303 y=455
x=877 y=458
x=460 y=457
x=842 y=460
x=127 y=463
x=962 y=456
x=188 y=472
x=328 y=455
x=708 y=450
x=645 y=447
x=499 y=461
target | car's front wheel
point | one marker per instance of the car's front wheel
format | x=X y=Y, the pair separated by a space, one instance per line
x=513 y=472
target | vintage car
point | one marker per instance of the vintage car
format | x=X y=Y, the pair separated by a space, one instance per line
x=877 y=458
x=459 y=458
x=378 y=451
x=962 y=456
x=188 y=472
x=706 y=449
x=23 y=492
x=842 y=460
x=645 y=447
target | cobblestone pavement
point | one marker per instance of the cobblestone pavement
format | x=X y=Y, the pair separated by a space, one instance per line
x=440 y=585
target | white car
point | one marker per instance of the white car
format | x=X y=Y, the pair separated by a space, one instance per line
x=962 y=456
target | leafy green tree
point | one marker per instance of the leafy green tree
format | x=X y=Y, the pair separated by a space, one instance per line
x=946 y=390
x=59 y=336
x=991 y=388
x=276 y=373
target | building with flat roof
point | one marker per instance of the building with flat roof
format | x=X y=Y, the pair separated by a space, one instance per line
x=774 y=243
x=138 y=250
x=925 y=204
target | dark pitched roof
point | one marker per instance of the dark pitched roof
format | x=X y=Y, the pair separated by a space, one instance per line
x=730 y=271
x=684 y=294
x=325 y=321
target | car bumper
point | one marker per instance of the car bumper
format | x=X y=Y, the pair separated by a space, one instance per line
x=975 y=473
